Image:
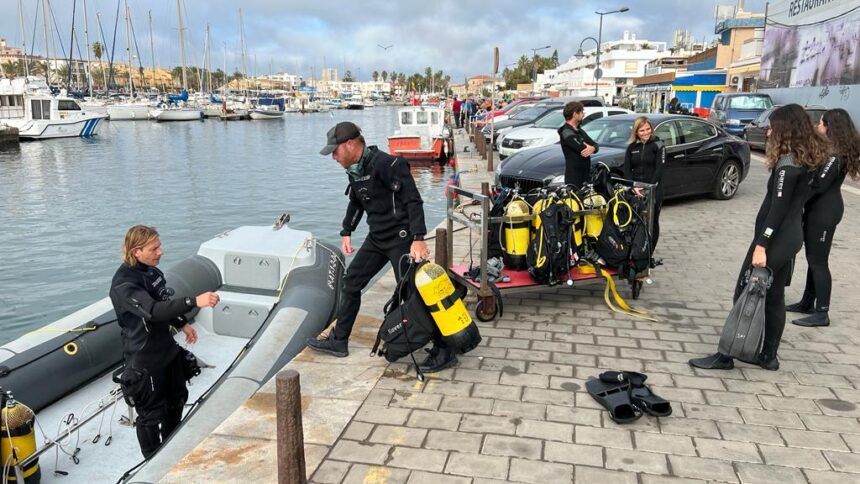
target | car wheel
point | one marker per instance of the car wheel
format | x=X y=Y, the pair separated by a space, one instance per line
x=728 y=180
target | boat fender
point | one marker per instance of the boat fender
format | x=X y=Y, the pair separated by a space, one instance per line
x=449 y=313
x=18 y=441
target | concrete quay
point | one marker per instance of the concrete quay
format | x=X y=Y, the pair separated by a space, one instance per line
x=8 y=135
x=515 y=409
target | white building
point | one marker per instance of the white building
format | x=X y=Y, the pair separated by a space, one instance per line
x=285 y=78
x=366 y=88
x=620 y=60
x=329 y=74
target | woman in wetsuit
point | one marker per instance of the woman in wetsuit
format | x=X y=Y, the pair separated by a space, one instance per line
x=823 y=212
x=794 y=150
x=643 y=162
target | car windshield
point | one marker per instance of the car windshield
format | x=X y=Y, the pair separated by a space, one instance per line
x=518 y=109
x=530 y=113
x=749 y=102
x=552 y=120
x=609 y=132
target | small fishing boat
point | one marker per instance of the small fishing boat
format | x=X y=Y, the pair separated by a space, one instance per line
x=278 y=286
x=267 y=112
x=421 y=134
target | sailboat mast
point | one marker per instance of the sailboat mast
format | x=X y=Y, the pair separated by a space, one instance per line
x=104 y=41
x=128 y=52
x=208 y=63
x=151 y=49
x=87 y=39
x=47 y=45
x=23 y=37
x=242 y=48
x=181 y=43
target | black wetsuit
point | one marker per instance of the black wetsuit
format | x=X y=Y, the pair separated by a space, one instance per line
x=386 y=192
x=821 y=215
x=778 y=230
x=145 y=312
x=644 y=163
x=576 y=167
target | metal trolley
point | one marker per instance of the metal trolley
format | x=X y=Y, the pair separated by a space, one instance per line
x=520 y=281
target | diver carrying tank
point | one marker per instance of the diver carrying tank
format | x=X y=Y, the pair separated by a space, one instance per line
x=516 y=234
x=18 y=441
x=458 y=330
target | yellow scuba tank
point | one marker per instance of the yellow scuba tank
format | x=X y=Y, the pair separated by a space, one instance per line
x=578 y=224
x=515 y=228
x=539 y=206
x=594 y=222
x=458 y=330
x=18 y=440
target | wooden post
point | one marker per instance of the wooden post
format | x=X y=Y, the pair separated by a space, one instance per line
x=291 y=446
x=485 y=189
x=441 y=253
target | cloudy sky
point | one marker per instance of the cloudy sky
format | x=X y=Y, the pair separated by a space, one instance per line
x=456 y=36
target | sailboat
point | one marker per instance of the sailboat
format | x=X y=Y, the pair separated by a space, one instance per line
x=132 y=109
x=173 y=111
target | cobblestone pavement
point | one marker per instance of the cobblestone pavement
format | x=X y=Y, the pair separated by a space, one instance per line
x=515 y=409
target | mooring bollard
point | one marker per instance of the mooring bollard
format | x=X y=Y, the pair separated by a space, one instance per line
x=291 y=442
x=441 y=253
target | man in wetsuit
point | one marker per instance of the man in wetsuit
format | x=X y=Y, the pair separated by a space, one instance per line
x=576 y=145
x=154 y=376
x=381 y=186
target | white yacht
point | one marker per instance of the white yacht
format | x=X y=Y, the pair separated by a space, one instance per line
x=27 y=104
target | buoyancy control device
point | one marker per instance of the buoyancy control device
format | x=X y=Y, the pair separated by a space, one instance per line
x=18 y=441
x=549 y=254
x=516 y=230
x=446 y=307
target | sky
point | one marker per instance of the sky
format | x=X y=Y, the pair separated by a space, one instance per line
x=456 y=36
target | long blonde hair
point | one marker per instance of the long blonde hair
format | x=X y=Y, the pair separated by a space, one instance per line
x=136 y=238
x=637 y=123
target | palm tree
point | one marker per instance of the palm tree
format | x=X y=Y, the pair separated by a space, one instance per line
x=384 y=75
x=98 y=50
x=375 y=76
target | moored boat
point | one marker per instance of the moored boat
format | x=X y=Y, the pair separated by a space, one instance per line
x=421 y=134
x=28 y=105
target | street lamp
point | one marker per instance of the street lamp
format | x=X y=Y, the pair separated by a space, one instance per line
x=598 y=73
x=534 y=63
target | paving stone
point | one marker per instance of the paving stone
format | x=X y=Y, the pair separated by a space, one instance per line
x=361 y=474
x=806 y=391
x=382 y=415
x=759 y=434
x=502 y=392
x=504 y=408
x=552 y=397
x=552 y=346
x=434 y=420
x=688 y=395
x=386 y=434
x=708 y=412
x=330 y=472
x=636 y=461
x=425 y=401
x=853 y=441
x=664 y=443
x=627 y=364
x=476 y=465
x=690 y=427
x=752 y=387
x=512 y=447
x=827 y=423
x=524 y=379
x=596 y=350
x=467 y=405
x=488 y=424
x=591 y=455
x=357 y=431
x=509 y=343
x=593 y=475
x=648 y=479
x=477 y=376
x=813 y=379
x=420 y=477
x=797 y=405
x=682 y=381
x=828 y=477
x=699 y=468
x=727 y=450
x=539 y=472
x=641 y=354
x=843 y=461
x=771 y=417
x=545 y=430
x=791 y=457
x=661 y=345
x=619 y=439
x=756 y=374
x=730 y=399
x=767 y=474
x=498 y=364
x=445 y=387
x=575 y=359
x=421 y=459
x=550 y=369
x=813 y=440
x=574 y=415
x=350 y=451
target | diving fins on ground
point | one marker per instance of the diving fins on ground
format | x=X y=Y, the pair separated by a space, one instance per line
x=615 y=397
x=641 y=394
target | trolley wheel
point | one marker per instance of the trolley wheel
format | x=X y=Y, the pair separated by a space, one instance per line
x=636 y=288
x=486 y=309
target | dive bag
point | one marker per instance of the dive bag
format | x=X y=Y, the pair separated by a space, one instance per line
x=407 y=325
x=613 y=240
x=549 y=252
x=743 y=333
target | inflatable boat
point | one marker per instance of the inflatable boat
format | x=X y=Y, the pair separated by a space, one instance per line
x=278 y=286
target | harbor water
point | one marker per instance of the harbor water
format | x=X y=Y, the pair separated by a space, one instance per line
x=65 y=204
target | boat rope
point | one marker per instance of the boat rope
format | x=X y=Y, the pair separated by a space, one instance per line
x=62 y=330
x=610 y=295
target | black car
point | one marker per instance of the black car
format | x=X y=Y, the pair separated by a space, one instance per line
x=755 y=133
x=700 y=157
x=522 y=118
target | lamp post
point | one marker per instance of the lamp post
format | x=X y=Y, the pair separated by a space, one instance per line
x=534 y=63
x=598 y=73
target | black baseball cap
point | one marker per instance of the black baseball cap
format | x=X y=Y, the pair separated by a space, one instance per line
x=341 y=133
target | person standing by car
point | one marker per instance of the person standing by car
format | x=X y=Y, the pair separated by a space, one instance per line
x=794 y=150
x=643 y=162
x=154 y=376
x=382 y=186
x=576 y=145
x=823 y=212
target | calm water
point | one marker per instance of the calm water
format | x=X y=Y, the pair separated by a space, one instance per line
x=65 y=204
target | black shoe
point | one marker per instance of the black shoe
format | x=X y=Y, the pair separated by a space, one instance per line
x=437 y=360
x=803 y=306
x=717 y=361
x=330 y=345
x=771 y=364
x=818 y=318
x=656 y=262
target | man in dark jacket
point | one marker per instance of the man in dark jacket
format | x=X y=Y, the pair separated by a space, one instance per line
x=381 y=186
x=154 y=376
x=576 y=145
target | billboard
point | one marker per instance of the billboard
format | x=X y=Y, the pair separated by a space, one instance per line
x=810 y=43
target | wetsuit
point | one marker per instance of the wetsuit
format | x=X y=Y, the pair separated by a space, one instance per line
x=576 y=167
x=383 y=188
x=644 y=163
x=145 y=312
x=821 y=215
x=778 y=229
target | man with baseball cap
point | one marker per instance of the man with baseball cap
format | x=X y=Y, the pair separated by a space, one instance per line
x=381 y=186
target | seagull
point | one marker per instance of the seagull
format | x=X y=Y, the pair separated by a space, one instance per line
x=385 y=47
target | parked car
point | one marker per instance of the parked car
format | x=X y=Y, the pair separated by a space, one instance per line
x=701 y=158
x=755 y=133
x=732 y=111
x=512 y=105
x=545 y=131
x=524 y=117
x=512 y=112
